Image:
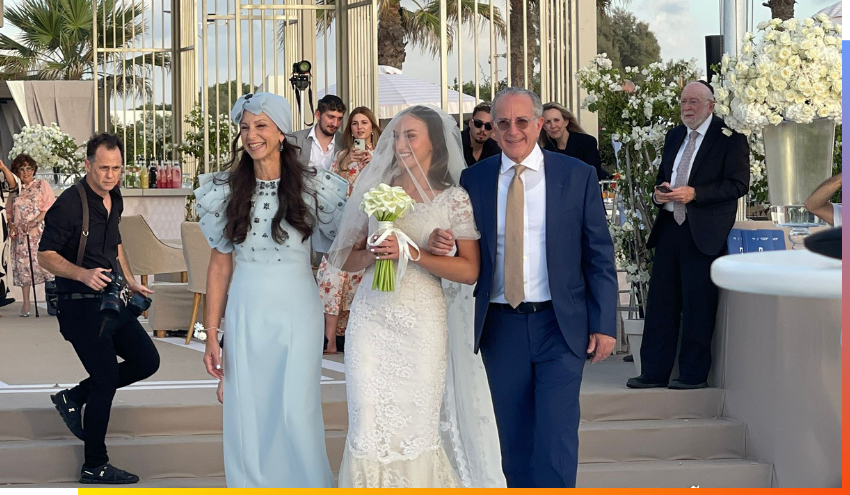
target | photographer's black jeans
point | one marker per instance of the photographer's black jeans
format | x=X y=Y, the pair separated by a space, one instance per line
x=80 y=323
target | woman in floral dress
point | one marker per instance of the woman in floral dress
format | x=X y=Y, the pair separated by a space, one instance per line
x=337 y=288
x=26 y=216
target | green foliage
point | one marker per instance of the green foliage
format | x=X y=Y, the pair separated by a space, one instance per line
x=627 y=41
x=57 y=43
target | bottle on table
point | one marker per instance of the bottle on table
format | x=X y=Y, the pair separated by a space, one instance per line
x=143 y=177
x=152 y=175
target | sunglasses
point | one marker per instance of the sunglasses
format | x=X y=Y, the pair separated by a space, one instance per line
x=505 y=124
x=486 y=125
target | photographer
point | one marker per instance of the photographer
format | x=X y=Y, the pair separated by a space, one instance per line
x=91 y=316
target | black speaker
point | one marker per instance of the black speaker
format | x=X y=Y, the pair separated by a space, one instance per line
x=713 y=53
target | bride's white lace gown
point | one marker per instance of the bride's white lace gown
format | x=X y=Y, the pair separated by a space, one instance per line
x=395 y=365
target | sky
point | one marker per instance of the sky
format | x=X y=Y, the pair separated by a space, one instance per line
x=679 y=25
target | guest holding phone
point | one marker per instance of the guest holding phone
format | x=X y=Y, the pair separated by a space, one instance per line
x=337 y=288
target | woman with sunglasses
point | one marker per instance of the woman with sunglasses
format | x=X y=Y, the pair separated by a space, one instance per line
x=476 y=140
x=26 y=217
x=563 y=134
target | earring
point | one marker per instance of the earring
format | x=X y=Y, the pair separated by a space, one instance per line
x=281 y=146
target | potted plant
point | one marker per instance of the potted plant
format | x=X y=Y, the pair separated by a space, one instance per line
x=784 y=92
x=50 y=148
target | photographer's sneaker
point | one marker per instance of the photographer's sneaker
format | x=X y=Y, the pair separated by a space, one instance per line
x=71 y=412
x=106 y=475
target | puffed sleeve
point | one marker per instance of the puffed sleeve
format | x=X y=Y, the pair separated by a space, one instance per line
x=330 y=196
x=48 y=197
x=460 y=215
x=210 y=202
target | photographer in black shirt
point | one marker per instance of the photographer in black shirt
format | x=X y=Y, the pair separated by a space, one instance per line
x=91 y=312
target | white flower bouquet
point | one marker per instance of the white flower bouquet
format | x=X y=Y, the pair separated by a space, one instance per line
x=49 y=147
x=793 y=72
x=387 y=204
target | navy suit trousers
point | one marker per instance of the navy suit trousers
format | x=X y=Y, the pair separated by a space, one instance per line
x=534 y=381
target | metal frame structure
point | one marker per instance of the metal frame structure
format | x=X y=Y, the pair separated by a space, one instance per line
x=257 y=41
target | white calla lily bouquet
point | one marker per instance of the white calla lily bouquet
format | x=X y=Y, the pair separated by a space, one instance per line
x=387 y=204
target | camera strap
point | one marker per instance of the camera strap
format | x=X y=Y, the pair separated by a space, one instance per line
x=298 y=102
x=84 y=230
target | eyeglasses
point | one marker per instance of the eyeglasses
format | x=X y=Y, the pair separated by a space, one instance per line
x=27 y=168
x=692 y=102
x=479 y=124
x=521 y=123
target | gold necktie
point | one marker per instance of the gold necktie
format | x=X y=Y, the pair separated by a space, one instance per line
x=514 y=234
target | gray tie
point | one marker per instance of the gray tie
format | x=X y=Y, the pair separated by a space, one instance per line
x=679 y=209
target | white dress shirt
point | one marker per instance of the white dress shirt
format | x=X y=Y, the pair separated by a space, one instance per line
x=319 y=158
x=534 y=267
x=702 y=129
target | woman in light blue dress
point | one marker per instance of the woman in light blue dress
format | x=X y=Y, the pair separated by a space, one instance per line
x=267 y=209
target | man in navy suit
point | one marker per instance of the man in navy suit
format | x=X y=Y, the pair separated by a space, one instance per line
x=546 y=293
x=703 y=172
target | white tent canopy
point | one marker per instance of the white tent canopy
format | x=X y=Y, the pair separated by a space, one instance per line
x=397 y=92
x=833 y=11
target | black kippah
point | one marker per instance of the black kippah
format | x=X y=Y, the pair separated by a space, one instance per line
x=707 y=85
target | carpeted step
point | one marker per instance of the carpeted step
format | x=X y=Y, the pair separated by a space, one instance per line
x=155 y=457
x=164 y=414
x=672 y=439
x=658 y=403
x=718 y=473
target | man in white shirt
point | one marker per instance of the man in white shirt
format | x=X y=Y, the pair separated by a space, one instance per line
x=320 y=143
x=546 y=294
x=703 y=172
x=818 y=203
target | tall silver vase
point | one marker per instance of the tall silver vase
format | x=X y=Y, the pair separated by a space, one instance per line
x=798 y=158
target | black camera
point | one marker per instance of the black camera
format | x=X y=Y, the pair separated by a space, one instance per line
x=300 y=79
x=112 y=302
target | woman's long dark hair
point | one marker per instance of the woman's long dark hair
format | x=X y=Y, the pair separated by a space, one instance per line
x=290 y=194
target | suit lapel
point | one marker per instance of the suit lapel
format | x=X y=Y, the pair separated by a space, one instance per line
x=555 y=182
x=707 y=143
x=490 y=197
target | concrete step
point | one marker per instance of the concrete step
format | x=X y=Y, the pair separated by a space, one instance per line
x=154 y=457
x=718 y=473
x=670 y=439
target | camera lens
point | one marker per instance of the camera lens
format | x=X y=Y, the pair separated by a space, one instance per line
x=302 y=67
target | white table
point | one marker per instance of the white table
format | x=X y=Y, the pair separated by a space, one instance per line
x=797 y=273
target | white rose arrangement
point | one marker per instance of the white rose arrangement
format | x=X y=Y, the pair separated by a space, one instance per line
x=387 y=204
x=792 y=72
x=637 y=107
x=49 y=147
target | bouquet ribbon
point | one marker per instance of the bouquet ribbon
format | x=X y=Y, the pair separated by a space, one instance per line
x=386 y=229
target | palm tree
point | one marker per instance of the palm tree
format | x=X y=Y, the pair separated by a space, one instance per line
x=781 y=9
x=56 y=43
x=399 y=26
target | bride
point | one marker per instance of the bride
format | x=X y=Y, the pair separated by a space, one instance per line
x=420 y=412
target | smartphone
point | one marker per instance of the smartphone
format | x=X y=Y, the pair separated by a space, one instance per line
x=663 y=189
x=360 y=144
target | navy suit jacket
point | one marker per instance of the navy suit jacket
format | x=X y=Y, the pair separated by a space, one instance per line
x=579 y=250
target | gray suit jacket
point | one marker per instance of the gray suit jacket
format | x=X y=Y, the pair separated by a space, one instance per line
x=302 y=140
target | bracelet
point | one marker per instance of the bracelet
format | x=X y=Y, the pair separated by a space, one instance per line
x=200 y=332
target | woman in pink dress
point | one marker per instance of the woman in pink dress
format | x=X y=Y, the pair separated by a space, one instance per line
x=337 y=288
x=26 y=211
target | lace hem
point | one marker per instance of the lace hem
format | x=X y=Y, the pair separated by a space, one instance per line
x=428 y=469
